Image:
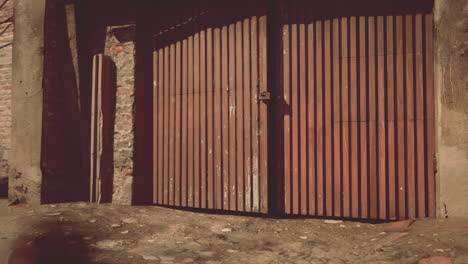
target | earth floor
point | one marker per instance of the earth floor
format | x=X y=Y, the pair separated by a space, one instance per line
x=88 y=233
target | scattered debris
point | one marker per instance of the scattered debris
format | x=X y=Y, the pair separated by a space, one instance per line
x=53 y=214
x=166 y=258
x=395 y=226
x=130 y=220
x=436 y=260
x=333 y=221
x=93 y=221
x=232 y=251
x=13 y=202
x=124 y=232
x=226 y=230
x=453 y=228
x=207 y=253
x=116 y=225
x=395 y=236
x=303 y=237
x=115 y=244
x=148 y=257
x=342 y=226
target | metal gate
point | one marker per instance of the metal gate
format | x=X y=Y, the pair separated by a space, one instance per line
x=210 y=126
x=358 y=112
x=353 y=99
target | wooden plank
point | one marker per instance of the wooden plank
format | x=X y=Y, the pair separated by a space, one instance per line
x=311 y=118
x=178 y=128
x=336 y=118
x=155 y=126
x=240 y=118
x=247 y=117
x=373 y=112
x=225 y=116
x=430 y=115
x=210 y=116
x=410 y=117
x=232 y=119
x=420 y=150
x=295 y=117
x=346 y=199
x=382 y=121
x=328 y=133
x=190 y=126
x=203 y=123
x=254 y=120
x=354 y=118
x=171 y=123
x=196 y=120
x=162 y=127
x=287 y=119
x=391 y=118
x=166 y=125
x=263 y=114
x=93 y=143
x=320 y=116
x=217 y=119
x=400 y=98
x=364 y=121
x=184 y=153
x=302 y=115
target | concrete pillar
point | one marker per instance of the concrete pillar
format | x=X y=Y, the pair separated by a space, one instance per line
x=27 y=103
x=451 y=83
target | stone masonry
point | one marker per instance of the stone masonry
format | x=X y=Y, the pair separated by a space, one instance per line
x=6 y=38
x=122 y=52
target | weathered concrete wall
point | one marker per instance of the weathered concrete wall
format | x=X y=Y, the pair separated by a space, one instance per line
x=451 y=83
x=120 y=46
x=46 y=133
x=28 y=46
x=6 y=39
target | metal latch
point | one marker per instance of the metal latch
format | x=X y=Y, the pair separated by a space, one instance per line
x=264 y=96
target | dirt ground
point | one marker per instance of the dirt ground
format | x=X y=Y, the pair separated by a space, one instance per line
x=90 y=233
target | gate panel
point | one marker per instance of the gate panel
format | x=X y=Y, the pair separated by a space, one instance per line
x=210 y=126
x=358 y=109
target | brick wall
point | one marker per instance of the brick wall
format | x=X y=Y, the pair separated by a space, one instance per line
x=6 y=38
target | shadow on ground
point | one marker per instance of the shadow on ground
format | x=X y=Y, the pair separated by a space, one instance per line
x=50 y=242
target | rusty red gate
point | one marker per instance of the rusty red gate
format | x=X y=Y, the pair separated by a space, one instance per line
x=359 y=117
x=210 y=127
x=354 y=108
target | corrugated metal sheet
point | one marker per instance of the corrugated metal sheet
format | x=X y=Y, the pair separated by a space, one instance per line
x=358 y=112
x=210 y=128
